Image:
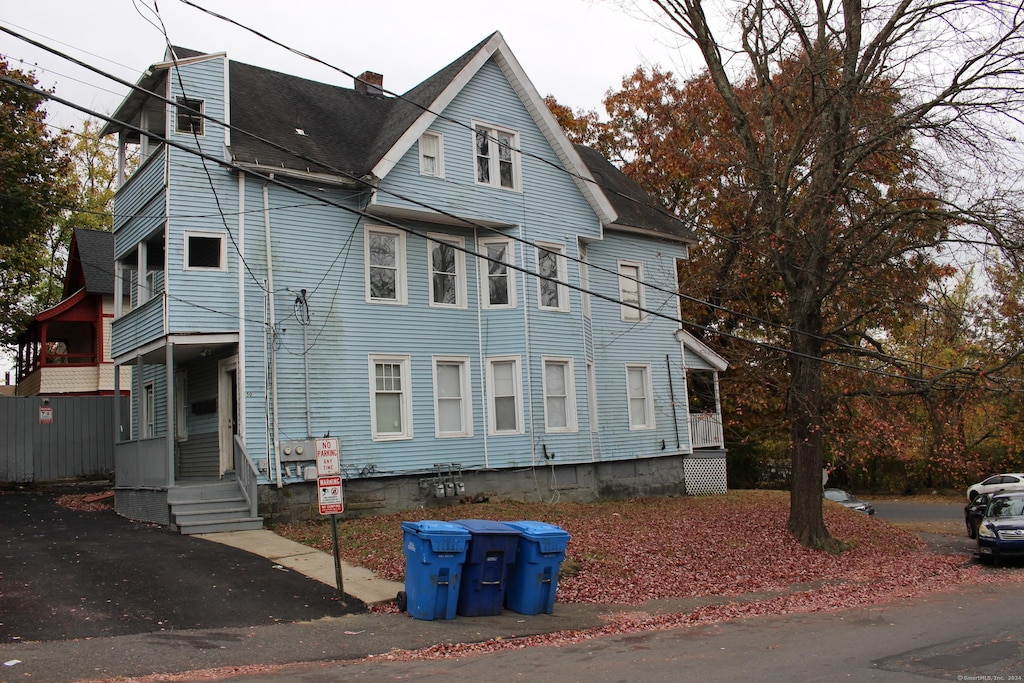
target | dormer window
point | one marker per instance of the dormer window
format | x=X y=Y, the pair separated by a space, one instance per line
x=497 y=161
x=189 y=118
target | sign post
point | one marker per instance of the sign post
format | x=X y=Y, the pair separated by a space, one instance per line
x=330 y=496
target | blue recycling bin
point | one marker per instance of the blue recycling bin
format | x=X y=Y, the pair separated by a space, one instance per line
x=434 y=553
x=533 y=579
x=492 y=548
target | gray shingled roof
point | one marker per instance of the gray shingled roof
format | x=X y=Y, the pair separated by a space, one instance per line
x=351 y=132
x=91 y=259
x=635 y=207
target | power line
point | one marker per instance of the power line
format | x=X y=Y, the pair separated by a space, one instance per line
x=380 y=219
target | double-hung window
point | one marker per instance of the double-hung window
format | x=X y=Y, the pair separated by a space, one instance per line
x=432 y=154
x=497 y=161
x=499 y=284
x=630 y=291
x=385 y=265
x=189 y=117
x=390 y=397
x=452 y=411
x=553 y=295
x=447 y=271
x=640 y=395
x=505 y=394
x=559 y=395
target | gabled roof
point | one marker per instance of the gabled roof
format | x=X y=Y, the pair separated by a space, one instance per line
x=695 y=345
x=362 y=136
x=90 y=262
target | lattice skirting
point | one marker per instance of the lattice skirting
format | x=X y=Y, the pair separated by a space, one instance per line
x=704 y=476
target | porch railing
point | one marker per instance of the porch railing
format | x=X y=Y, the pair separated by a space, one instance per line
x=141 y=463
x=706 y=430
x=246 y=475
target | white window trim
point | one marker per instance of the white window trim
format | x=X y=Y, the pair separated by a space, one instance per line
x=561 y=275
x=628 y=313
x=495 y=174
x=401 y=287
x=438 y=160
x=584 y=267
x=648 y=398
x=572 y=424
x=202 y=121
x=518 y=374
x=467 y=398
x=485 y=283
x=210 y=235
x=460 y=269
x=405 y=400
x=592 y=395
x=148 y=410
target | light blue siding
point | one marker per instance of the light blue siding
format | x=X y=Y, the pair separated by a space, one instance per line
x=320 y=248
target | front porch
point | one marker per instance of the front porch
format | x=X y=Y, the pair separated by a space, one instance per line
x=180 y=461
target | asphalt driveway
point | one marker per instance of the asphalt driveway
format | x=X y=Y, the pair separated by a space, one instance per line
x=71 y=574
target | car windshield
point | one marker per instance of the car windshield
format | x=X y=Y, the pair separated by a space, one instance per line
x=1006 y=507
x=837 y=495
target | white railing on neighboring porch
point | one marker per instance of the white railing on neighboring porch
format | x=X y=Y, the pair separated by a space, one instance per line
x=246 y=475
x=706 y=430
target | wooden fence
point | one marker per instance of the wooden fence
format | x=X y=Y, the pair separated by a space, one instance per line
x=45 y=439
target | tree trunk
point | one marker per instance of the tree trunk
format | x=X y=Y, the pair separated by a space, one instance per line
x=804 y=410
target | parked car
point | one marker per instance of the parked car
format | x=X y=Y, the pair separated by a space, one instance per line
x=1006 y=482
x=1001 y=532
x=847 y=500
x=974 y=512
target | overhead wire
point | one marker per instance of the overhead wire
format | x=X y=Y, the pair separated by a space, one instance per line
x=377 y=218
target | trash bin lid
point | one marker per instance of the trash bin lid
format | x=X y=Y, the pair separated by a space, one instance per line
x=433 y=527
x=538 y=530
x=486 y=526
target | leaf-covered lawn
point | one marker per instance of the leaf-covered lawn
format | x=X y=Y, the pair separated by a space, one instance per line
x=632 y=551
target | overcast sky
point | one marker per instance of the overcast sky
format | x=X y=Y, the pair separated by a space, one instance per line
x=573 y=49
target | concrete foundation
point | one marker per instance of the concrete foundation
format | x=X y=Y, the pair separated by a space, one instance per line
x=664 y=476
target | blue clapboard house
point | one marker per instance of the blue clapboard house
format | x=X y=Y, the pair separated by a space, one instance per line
x=471 y=305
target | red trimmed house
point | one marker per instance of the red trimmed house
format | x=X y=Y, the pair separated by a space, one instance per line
x=66 y=348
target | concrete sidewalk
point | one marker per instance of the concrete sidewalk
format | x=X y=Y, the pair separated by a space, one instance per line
x=359 y=582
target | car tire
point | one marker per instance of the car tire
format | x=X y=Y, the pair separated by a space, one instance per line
x=971 y=495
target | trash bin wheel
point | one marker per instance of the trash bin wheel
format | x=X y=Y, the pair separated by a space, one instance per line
x=402 y=600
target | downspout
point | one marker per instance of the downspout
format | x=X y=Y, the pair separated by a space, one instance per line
x=273 y=331
x=528 y=365
x=482 y=289
x=672 y=400
x=240 y=370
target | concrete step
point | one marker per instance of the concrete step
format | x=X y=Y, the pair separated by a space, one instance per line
x=221 y=525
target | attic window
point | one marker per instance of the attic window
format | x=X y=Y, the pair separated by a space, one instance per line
x=189 y=118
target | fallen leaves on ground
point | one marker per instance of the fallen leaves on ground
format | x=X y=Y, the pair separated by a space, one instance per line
x=634 y=551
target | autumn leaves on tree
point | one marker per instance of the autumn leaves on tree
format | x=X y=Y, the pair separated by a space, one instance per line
x=812 y=153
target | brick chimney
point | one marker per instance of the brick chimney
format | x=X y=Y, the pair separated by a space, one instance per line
x=370 y=83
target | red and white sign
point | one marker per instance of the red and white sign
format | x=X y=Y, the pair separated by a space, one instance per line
x=45 y=415
x=329 y=495
x=328 y=456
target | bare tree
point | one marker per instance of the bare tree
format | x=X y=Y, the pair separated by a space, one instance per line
x=819 y=95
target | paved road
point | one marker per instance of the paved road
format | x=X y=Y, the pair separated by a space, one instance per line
x=913 y=511
x=974 y=634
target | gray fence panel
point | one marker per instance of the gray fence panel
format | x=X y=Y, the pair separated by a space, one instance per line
x=79 y=441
